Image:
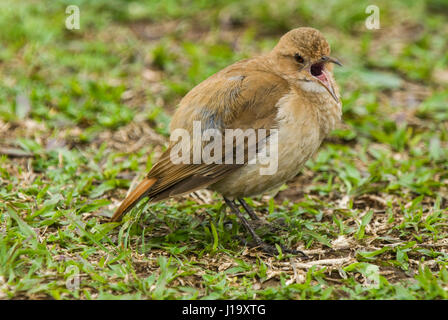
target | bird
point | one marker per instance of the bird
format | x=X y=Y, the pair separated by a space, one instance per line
x=289 y=93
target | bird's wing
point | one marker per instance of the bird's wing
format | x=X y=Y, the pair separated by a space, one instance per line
x=235 y=98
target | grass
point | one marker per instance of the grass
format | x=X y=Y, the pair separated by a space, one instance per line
x=84 y=114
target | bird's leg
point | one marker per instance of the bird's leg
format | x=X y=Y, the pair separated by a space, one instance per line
x=246 y=224
x=266 y=247
x=248 y=209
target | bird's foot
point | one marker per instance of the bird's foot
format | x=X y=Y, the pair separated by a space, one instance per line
x=272 y=249
x=266 y=226
x=269 y=249
x=257 y=222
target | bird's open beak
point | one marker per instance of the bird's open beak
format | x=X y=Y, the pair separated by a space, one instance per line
x=317 y=70
x=332 y=60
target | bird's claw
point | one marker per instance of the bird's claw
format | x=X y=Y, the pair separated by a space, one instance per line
x=272 y=250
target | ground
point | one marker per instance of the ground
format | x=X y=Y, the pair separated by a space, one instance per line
x=84 y=114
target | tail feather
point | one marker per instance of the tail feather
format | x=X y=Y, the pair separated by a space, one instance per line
x=133 y=198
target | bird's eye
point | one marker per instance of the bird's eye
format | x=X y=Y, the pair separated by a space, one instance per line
x=299 y=58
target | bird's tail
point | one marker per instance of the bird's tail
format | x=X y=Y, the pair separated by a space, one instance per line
x=133 y=198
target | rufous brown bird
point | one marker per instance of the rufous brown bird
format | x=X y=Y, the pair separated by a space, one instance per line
x=290 y=93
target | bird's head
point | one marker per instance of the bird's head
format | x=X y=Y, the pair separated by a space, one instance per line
x=302 y=57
